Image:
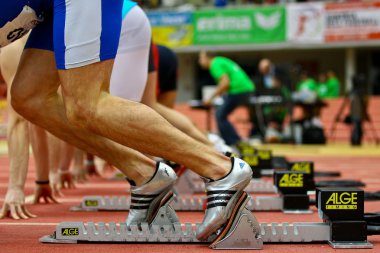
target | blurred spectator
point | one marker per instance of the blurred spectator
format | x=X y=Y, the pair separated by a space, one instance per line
x=306 y=82
x=271 y=76
x=273 y=80
x=357 y=99
x=333 y=85
x=329 y=87
x=309 y=127
x=322 y=85
x=234 y=84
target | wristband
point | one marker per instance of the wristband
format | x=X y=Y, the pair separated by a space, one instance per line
x=41 y=182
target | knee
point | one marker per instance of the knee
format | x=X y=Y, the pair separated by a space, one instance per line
x=17 y=126
x=27 y=105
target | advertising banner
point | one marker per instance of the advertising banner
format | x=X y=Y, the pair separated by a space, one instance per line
x=269 y=24
x=172 y=29
x=306 y=22
x=239 y=26
x=352 y=21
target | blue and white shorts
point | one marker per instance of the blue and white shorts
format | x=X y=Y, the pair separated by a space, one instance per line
x=80 y=32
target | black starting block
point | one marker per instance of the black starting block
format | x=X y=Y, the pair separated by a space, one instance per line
x=306 y=167
x=293 y=187
x=343 y=210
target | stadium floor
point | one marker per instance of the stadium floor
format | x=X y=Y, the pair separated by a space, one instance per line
x=23 y=235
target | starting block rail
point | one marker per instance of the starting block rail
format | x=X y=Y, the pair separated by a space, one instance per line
x=168 y=229
x=241 y=236
x=342 y=211
x=181 y=233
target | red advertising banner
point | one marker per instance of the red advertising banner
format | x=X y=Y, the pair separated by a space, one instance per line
x=352 y=21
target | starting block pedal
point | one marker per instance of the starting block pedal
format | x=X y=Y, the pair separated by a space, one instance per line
x=341 y=209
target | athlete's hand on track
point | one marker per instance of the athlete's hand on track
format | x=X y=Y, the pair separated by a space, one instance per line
x=44 y=191
x=66 y=180
x=14 y=205
x=80 y=174
x=54 y=184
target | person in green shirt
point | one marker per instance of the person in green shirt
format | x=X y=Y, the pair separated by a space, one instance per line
x=333 y=85
x=306 y=83
x=322 y=85
x=330 y=88
x=234 y=84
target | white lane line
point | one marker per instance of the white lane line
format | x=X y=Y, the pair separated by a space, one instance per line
x=27 y=224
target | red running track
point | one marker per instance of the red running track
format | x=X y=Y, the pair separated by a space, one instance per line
x=22 y=236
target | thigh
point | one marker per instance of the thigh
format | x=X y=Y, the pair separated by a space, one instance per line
x=9 y=59
x=135 y=31
x=86 y=38
x=36 y=75
x=86 y=31
x=149 y=97
x=129 y=73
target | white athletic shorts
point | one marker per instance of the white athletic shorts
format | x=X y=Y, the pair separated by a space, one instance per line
x=130 y=71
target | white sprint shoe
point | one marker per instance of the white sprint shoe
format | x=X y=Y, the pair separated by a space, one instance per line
x=148 y=198
x=223 y=196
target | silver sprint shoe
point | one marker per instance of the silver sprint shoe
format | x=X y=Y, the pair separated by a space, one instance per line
x=223 y=196
x=147 y=199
